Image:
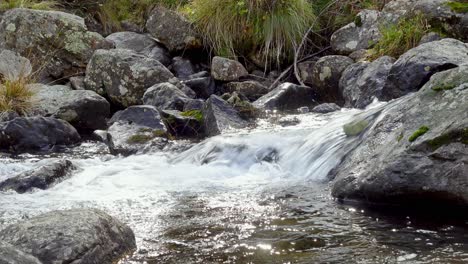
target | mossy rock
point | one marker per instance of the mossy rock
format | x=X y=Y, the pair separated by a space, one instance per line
x=458 y=7
x=418 y=133
x=355 y=128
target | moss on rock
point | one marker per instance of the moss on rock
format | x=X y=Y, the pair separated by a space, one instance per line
x=418 y=133
x=355 y=128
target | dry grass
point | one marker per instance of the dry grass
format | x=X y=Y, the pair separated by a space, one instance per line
x=32 y=4
x=15 y=96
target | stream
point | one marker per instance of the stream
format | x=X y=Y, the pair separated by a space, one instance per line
x=259 y=195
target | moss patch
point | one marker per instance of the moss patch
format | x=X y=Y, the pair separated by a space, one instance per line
x=139 y=139
x=418 y=133
x=443 y=87
x=450 y=137
x=197 y=114
x=458 y=7
x=355 y=128
x=144 y=138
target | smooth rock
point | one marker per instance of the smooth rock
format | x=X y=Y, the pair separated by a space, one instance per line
x=13 y=66
x=166 y=96
x=219 y=116
x=223 y=69
x=326 y=108
x=287 y=96
x=327 y=73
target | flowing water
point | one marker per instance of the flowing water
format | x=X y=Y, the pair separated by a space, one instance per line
x=250 y=196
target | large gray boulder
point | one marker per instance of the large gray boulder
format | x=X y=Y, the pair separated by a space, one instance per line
x=72 y=236
x=11 y=255
x=219 y=116
x=326 y=75
x=83 y=109
x=166 y=96
x=415 y=151
x=57 y=41
x=363 y=81
x=124 y=75
x=135 y=127
x=223 y=69
x=414 y=68
x=41 y=178
x=140 y=43
x=14 y=66
x=286 y=97
x=172 y=30
x=36 y=134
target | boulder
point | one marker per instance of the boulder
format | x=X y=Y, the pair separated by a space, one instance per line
x=40 y=34
x=172 y=30
x=414 y=68
x=242 y=105
x=415 y=151
x=363 y=81
x=124 y=75
x=326 y=108
x=203 y=86
x=40 y=178
x=182 y=68
x=186 y=124
x=223 y=69
x=77 y=83
x=287 y=96
x=305 y=71
x=166 y=96
x=219 y=116
x=11 y=255
x=429 y=37
x=83 y=109
x=36 y=134
x=72 y=236
x=250 y=89
x=327 y=73
x=134 y=127
x=13 y=66
x=196 y=104
x=142 y=44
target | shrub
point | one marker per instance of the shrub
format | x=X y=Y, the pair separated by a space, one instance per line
x=270 y=28
x=32 y=4
x=15 y=96
x=399 y=38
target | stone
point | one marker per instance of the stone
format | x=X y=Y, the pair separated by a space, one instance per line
x=166 y=96
x=196 y=104
x=286 y=97
x=250 y=89
x=38 y=35
x=11 y=255
x=72 y=236
x=415 y=150
x=305 y=71
x=429 y=37
x=363 y=81
x=24 y=134
x=184 y=124
x=327 y=73
x=326 y=108
x=203 y=86
x=172 y=30
x=83 y=109
x=223 y=69
x=182 y=68
x=124 y=75
x=77 y=83
x=134 y=127
x=13 y=66
x=219 y=116
x=39 y=178
x=414 y=68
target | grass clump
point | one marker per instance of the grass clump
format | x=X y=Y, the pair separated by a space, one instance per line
x=459 y=7
x=15 y=95
x=266 y=29
x=401 y=37
x=418 y=133
x=31 y=4
x=197 y=114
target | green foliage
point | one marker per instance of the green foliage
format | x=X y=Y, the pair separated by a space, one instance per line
x=268 y=28
x=197 y=114
x=32 y=4
x=421 y=131
x=401 y=37
x=147 y=135
x=458 y=6
x=355 y=128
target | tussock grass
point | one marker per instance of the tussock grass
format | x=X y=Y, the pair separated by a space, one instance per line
x=32 y=4
x=15 y=96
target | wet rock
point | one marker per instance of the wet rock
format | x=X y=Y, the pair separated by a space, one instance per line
x=327 y=73
x=124 y=75
x=135 y=127
x=415 y=151
x=203 y=86
x=288 y=121
x=142 y=44
x=72 y=236
x=166 y=96
x=85 y=110
x=242 y=105
x=219 y=116
x=186 y=124
x=77 y=83
x=11 y=255
x=182 y=68
x=13 y=66
x=250 y=89
x=223 y=69
x=39 y=34
x=172 y=30
x=305 y=71
x=414 y=68
x=287 y=96
x=40 y=178
x=326 y=108
x=363 y=81
x=36 y=133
